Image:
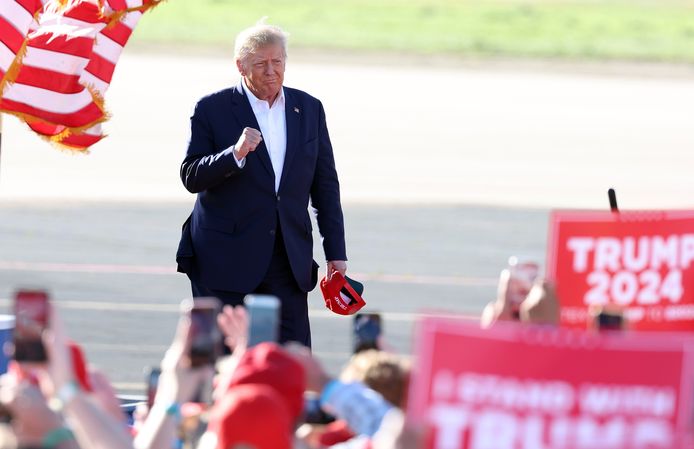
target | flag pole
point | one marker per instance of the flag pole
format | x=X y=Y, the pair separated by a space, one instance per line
x=1 y=144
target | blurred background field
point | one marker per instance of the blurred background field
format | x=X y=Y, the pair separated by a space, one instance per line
x=633 y=30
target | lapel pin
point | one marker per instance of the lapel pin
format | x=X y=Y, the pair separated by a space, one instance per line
x=296 y=110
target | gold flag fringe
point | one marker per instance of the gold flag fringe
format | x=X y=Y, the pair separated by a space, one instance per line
x=57 y=139
x=147 y=7
x=70 y=148
x=117 y=16
x=14 y=68
x=56 y=6
x=63 y=146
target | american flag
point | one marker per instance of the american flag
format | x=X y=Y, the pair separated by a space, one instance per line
x=57 y=59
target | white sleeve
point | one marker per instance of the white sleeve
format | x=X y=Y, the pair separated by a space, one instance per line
x=241 y=163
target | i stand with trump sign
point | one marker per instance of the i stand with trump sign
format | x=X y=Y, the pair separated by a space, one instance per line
x=639 y=262
x=516 y=387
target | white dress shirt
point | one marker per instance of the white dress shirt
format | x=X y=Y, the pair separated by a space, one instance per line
x=273 y=128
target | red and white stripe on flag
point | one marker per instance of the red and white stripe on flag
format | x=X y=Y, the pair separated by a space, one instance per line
x=16 y=17
x=68 y=66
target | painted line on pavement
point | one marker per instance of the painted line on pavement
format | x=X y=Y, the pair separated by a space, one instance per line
x=167 y=270
x=128 y=386
x=109 y=306
x=119 y=347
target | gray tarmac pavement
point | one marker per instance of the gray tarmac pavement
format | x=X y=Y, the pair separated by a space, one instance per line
x=110 y=270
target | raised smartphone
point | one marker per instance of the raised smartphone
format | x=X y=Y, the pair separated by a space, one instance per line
x=609 y=321
x=205 y=338
x=152 y=381
x=313 y=413
x=264 y=318
x=31 y=319
x=366 y=330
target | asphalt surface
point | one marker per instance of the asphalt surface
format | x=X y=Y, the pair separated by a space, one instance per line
x=110 y=270
x=445 y=172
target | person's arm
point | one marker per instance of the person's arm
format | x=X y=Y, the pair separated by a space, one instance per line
x=178 y=383
x=233 y=322
x=105 y=395
x=325 y=199
x=501 y=308
x=33 y=422
x=93 y=428
x=204 y=166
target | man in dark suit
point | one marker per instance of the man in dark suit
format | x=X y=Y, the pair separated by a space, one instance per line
x=258 y=153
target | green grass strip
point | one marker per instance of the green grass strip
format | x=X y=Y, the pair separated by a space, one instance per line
x=586 y=29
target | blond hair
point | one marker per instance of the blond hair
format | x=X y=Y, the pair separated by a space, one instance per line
x=386 y=373
x=258 y=36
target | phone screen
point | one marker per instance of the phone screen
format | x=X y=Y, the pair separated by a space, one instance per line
x=609 y=321
x=5 y=415
x=31 y=319
x=314 y=414
x=152 y=380
x=205 y=336
x=367 y=329
x=264 y=314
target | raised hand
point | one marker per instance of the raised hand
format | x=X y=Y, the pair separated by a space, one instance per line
x=248 y=142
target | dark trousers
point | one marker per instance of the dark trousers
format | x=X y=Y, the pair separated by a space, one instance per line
x=279 y=281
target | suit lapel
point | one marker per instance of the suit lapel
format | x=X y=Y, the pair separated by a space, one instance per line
x=292 y=113
x=244 y=114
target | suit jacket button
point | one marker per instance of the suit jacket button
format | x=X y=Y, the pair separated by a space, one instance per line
x=272 y=232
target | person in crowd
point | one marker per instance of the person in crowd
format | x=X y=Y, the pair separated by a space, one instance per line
x=258 y=153
x=259 y=407
x=384 y=372
x=179 y=383
x=50 y=407
x=541 y=305
x=283 y=374
x=537 y=305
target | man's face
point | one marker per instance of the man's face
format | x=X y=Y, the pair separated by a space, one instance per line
x=264 y=71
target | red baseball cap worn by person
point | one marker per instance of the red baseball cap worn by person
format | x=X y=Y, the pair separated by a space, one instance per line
x=251 y=415
x=269 y=364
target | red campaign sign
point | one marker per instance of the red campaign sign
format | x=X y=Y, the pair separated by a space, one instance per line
x=641 y=262
x=515 y=387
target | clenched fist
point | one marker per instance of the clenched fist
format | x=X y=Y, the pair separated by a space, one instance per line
x=249 y=141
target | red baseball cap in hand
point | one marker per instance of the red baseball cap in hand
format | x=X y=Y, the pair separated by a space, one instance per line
x=342 y=295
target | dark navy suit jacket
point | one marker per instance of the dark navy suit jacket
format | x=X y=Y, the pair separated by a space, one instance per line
x=229 y=237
